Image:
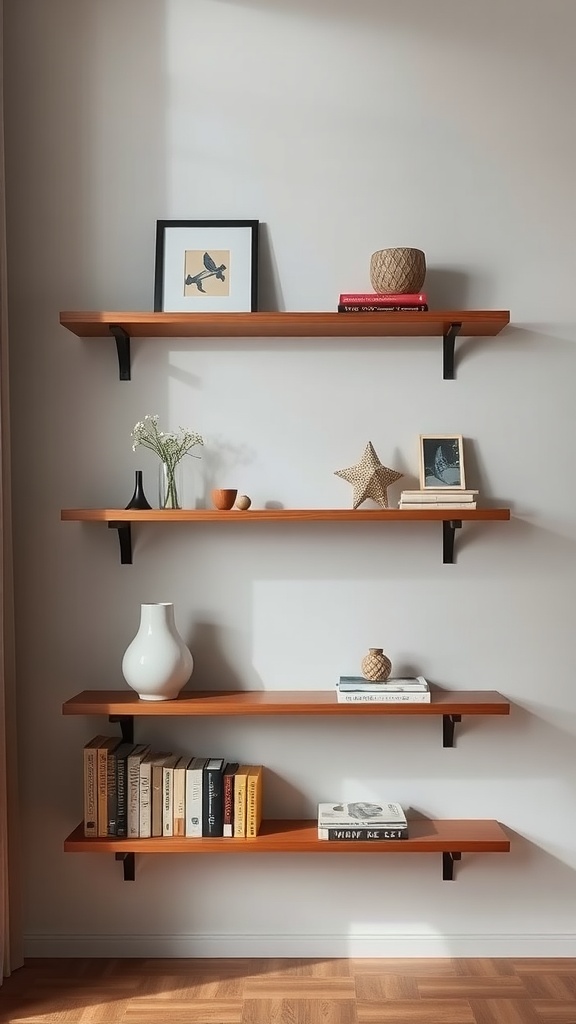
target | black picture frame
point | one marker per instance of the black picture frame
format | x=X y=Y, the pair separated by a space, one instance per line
x=187 y=278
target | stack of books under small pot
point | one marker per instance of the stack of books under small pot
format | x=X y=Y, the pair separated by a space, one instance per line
x=358 y=690
x=443 y=497
x=378 y=302
x=361 y=821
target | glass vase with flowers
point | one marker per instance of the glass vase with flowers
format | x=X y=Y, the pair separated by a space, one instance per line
x=170 y=449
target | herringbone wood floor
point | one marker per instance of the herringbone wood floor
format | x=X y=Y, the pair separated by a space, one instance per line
x=384 y=991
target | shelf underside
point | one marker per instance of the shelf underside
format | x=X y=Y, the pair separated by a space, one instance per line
x=306 y=515
x=260 y=703
x=297 y=836
x=434 y=323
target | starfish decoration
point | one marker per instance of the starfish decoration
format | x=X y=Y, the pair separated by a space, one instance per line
x=369 y=478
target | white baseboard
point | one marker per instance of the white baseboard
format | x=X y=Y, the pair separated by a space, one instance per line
x=328 y=946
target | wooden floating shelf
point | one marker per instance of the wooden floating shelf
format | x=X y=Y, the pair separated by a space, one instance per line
x=448 y=837
x=433 y=323
x=297 y=836
x=287 y=515
x=123 y=707
x=266 y=703
x=447 y=324
x=122 y=519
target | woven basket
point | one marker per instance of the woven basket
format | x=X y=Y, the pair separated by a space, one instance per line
x=397 y=270
x=376 y=666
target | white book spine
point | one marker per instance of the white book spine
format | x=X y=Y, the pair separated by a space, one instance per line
x=179 y=799
x=168 y=801
x=352 y=697
x=382 y=688
x=444 y=494
x=194 y=802
x=145 y=826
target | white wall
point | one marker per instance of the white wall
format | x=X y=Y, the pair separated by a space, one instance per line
x=343 y=128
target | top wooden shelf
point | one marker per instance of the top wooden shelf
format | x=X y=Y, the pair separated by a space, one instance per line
x=125 y=705
x=433 y=323
x=257 y=703
x=122 y=519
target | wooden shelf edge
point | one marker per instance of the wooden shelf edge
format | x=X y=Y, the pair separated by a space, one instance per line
x=323 y=323
x=257 y=703
x=300 y=836
x=117 y=515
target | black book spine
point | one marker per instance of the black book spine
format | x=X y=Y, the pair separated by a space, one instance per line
x=213 y=801
x=367 y=834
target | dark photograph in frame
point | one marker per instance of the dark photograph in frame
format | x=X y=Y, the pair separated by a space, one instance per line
x=441 y=462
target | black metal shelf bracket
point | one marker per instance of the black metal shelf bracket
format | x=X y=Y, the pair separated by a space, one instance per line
x=129 y=861
x=448 y=723
x=123 y=349
x=126 y=723
x=449 y=339
x=448 y=858
x=125 y=538
x=449 y=527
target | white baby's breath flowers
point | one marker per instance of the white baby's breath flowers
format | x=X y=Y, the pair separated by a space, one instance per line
x=169 y=447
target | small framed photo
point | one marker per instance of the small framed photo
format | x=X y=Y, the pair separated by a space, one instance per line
x=441 y=462
x=206 y=266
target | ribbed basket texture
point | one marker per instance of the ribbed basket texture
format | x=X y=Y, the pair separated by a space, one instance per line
x=376 y=666
x=397 y=270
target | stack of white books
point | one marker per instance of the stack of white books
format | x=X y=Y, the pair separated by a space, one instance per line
x=443 y=497
x=356 y=689
x=365 y=820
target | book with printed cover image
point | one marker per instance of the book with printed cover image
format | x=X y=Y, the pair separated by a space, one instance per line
x=361 y=814
x=414 y=684
x=357 y=690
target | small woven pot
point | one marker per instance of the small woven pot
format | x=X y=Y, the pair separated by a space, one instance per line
x=397 y=270
x=376 y=666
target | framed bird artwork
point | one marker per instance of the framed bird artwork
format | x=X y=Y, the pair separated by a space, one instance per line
x=206 y=266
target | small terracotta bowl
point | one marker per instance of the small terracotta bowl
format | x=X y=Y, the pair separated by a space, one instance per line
x=224 y=497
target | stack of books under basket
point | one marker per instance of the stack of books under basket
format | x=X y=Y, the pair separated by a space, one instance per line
x=358 y=690
x=376 y=302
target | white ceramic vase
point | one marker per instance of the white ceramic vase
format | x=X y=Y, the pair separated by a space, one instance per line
x=157 y=664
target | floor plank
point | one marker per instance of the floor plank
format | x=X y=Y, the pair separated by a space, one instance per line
x=295 y=991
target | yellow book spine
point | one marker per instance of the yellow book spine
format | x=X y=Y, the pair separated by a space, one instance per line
x=254 y=801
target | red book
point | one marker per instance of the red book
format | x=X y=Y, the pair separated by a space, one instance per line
x=377 y=299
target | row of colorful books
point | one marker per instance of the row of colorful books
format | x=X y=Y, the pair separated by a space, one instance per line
x=133 y=791
x=441 y=497
x=357 y=690
x=362 y=821
x=376 y=302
